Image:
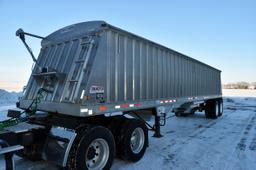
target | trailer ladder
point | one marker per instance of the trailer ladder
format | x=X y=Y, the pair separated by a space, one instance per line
x=77 y=69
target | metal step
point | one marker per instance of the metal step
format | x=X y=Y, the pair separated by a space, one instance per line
x=10 y=149
x=23 y=127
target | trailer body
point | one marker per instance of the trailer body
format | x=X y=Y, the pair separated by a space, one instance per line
x=93 y=68
x=90 y=90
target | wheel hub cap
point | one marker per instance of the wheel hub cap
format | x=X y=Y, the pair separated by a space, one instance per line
x=97 y=154
x=137 y=140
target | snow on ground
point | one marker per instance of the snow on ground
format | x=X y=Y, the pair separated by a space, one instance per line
x=193 y=142
x=239 y=93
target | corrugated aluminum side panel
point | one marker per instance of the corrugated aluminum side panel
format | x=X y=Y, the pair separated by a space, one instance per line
x=140 y=70
x=129 y=68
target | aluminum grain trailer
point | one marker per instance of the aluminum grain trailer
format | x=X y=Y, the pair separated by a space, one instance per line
x=91 y=89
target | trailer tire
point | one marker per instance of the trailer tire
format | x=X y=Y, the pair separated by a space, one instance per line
x=211 y=109
x=115 y=126
x=220 y=107
x=93 y=148
x=137 y=130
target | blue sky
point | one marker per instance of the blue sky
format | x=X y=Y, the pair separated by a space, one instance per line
x=221 y=33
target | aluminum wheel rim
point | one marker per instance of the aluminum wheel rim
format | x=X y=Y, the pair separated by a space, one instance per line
x=98 y=159
x=221 y=108
x=217 y=109
x=137 y=140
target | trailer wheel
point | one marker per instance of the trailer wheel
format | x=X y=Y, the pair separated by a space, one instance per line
x=94 y=149
x=211 y=109
x=133 y=140
x=220 y=107
x=207 y=109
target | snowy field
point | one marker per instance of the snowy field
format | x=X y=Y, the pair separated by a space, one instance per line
x=193 y=142
x=239 y=93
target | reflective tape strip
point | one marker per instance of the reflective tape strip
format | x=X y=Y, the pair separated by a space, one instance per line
x=137 y=104
x=90 y=112
x=85 y=110
x=117 y=107
x=131 y=105
x=124 y=106
x=102 y=108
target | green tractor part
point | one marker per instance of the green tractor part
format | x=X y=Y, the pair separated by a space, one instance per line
x=24 y=116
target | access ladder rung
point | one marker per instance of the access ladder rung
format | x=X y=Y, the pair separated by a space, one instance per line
x=85 y=42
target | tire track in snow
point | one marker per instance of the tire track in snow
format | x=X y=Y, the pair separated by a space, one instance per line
x=172 y=160
x=242 y=144
x=253 y=143
x=239 y=151
x=175 y=158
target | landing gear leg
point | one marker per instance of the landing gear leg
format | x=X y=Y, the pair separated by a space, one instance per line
x=157 y=125
x=157 y=133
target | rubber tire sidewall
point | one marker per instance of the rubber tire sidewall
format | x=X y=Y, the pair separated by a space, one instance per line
x=215 y=109
x=220 y=102
x=207 y=109
x=210 y=109
x=124 y=144
x=94 y=133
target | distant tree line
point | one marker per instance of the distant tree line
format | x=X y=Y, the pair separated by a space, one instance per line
x=240 y=85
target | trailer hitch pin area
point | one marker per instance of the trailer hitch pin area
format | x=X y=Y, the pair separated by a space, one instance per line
x=24 y=116
x=20 y=33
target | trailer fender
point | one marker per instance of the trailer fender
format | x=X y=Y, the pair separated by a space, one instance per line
x=58 y=145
